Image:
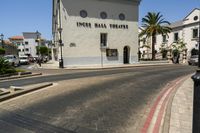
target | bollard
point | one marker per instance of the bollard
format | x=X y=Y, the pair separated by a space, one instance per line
x=196 y=103
x=61 y=65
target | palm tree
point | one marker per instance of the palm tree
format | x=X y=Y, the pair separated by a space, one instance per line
x=154 y=24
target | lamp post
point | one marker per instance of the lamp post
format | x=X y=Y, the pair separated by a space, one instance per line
x=196 y=100
x=61 y=63
x=38 y=41
x=2 y=42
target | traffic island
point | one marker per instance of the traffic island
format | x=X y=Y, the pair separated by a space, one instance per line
x=14 y=91
x=19 y=75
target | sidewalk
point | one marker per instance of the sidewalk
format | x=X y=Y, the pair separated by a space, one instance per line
x=182 y=109
x=172 y=110
x=55 y=65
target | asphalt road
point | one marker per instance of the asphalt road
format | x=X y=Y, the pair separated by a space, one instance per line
x=74 y=74
x=100 y=101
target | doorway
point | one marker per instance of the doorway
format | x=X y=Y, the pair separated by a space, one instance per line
x=126 y=55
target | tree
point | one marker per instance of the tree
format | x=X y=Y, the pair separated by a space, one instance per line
x=6 y=67
x=43 y=50
x=154 y=24
x=178 y=47
x=2 y=51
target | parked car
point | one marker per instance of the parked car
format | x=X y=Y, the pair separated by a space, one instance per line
x=12 y=59
x=31 y=59
x=24 y=60
x=193 y=60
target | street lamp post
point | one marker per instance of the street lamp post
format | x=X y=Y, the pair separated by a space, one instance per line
x=38 y=42
x=61 y=63
x=196 y=100
x=2 y=42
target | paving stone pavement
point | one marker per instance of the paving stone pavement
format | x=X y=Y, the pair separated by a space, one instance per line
x=182 y=109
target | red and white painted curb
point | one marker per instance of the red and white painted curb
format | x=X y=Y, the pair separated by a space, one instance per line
x=156 y=115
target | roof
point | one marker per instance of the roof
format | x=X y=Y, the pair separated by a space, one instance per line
x=16 y=38
x=176 y=24
x=7 y=42
x=191 y=12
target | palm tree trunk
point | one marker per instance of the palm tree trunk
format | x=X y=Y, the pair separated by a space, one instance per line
x=153 y=46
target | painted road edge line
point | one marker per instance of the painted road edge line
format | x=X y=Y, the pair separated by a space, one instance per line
x=150 y=115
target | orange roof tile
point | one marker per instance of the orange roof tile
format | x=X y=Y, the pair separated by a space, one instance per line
x=16 y=38
x=7 y=42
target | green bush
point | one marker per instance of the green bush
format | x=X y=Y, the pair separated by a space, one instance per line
x=2 y=51
x=20 y=70
x=6 y=67
x=43 y=50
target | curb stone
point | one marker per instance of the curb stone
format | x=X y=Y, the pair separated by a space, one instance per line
x=4 y=91
x=165 y=97
x=27 y=90
x=167 y=115
x=22 y=76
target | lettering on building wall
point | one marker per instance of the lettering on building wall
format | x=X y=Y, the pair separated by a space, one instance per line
x=116 y=26
x=96 y=25
x=101 y=25
x=84 y=24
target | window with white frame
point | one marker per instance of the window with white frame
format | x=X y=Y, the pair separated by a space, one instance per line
x=195 y=33
x=18 y=43
x=103 y=39
x=176 y=37
x=143 y=41
x=164 y=38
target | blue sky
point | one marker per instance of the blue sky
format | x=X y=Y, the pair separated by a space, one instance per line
x=18 y=16
x=172 y=10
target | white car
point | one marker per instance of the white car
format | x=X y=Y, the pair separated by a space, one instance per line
x=12 y=59
x=193 y=60
x=24 y=60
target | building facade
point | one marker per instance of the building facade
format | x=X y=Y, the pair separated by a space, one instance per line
x=93 y=33
x=185 y=31
x=27 y=44
x=19 y=42
x=10 y=48
x=30 y=43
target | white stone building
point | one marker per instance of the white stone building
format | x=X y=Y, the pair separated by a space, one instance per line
x=27 y=43
x=186 y=30
x=19 y=42
x=96 y=32
x=30 y=43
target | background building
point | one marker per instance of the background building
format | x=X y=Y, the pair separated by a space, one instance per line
x=90 y=32
x=30 y=43
x=185 y=31
x=27 y=43
x=19 y=42
x=10 y=48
